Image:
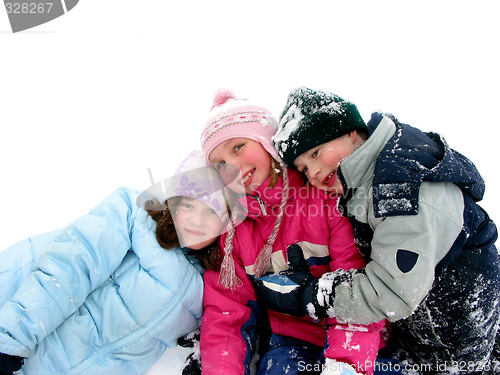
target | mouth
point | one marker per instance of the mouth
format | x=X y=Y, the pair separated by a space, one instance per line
x=246 y=178
x=193 y=232
x=330 y=178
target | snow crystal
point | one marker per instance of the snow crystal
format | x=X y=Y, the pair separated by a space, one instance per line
x=269 y=364
x=347 y=344
x=291 y=119
x=387 y=205
x=353 y=328
x=311 y=311
x=391 y=190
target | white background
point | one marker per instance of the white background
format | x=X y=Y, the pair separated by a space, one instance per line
x=92 y=99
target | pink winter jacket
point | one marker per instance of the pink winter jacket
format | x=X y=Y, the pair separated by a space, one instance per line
x=311 y=220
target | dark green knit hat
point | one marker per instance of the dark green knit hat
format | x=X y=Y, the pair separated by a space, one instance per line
x=311 y=118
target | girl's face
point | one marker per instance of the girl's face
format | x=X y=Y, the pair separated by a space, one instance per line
x=320 y=163
x=197 y=224
x=242 y=164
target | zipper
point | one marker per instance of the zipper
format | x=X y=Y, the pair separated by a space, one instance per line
x=262 y=205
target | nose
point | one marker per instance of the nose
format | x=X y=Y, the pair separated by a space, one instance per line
x=197 y=218
x=314 y=171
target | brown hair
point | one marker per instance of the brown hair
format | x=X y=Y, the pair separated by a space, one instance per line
x=275 y=172
x=210 y=256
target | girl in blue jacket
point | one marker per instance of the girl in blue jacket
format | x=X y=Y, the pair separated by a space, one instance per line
x=103 y=296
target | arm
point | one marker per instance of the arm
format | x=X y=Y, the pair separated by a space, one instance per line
x=353 y=344
x=405 y=253
x=78 y=261
x=227 y=338
x=343 y=250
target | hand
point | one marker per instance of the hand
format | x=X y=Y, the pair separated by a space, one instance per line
x=283 y=292
x=10 y=364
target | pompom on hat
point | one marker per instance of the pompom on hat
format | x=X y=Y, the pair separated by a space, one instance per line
x=231 y=117
x=311 y=118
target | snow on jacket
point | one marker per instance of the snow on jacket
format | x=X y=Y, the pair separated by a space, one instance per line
x=432 y=262
x=312 y=221
x=97 y=297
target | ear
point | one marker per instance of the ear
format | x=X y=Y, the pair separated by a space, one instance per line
x=353 y=136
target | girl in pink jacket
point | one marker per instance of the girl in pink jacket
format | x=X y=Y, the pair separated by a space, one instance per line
x=287 y=220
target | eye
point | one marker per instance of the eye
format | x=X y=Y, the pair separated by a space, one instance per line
x=237 y=148
x=314 y=154
x=220 y=165
x=304 y=170
x=187 y=205
x=212 y=212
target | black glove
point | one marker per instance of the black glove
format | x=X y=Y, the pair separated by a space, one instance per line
x=291 y=291
x=10 y=364
x=192 y=364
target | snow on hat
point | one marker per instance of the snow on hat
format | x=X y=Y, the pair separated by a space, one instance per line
x=231 y=117
x=311 y=118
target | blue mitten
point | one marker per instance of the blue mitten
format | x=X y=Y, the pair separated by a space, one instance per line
x=10 y=364
x=291 y=290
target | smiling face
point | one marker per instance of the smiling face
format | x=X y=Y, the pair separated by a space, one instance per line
x=320 y=163
x=197 y=224
x=242 y=164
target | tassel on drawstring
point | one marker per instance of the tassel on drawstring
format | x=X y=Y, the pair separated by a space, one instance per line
x=227 y=276
x=264 y=257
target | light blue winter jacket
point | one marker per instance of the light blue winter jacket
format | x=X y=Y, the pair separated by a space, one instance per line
x=97 y=297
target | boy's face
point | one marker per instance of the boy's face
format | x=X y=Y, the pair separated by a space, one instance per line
x=320 y=163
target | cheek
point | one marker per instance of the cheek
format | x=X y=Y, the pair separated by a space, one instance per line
x=179 y=218
x=215 y=227
x=329 y=158
x=264 y=163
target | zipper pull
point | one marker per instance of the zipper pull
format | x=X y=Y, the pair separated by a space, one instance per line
x=262 y=205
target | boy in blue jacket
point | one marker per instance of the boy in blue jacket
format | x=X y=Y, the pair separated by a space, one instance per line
x=432 y=265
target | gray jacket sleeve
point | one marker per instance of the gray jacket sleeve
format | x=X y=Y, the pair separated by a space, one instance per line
x=405 y=252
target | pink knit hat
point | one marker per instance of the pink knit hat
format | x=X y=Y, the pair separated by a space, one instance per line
x=231 y=117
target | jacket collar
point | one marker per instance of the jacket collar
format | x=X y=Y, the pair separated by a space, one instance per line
x=357 y=168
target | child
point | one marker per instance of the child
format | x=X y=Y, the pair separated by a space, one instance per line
x=285 y=220
x=102 y=296
x=433 y=267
